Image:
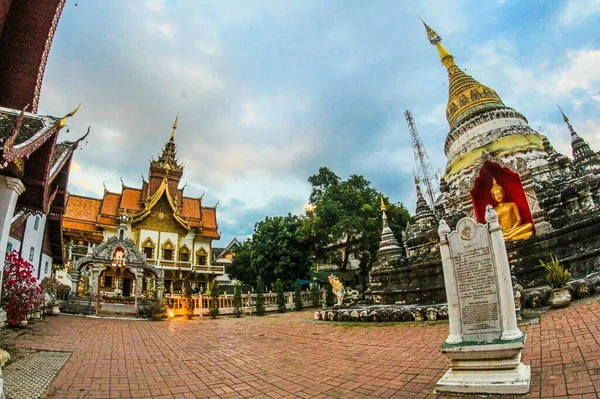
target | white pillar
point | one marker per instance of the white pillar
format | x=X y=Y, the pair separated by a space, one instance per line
x=508 y=316
x=10 y=189
x=455 y=336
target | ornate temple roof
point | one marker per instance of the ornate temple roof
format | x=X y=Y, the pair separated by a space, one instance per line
x=91 y=215
x=466 y=96
x=167 y=160
x=87 y=214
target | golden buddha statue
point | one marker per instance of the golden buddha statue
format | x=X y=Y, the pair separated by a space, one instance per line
x=509 y=216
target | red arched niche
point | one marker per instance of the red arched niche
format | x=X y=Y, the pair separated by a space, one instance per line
x=513 y=190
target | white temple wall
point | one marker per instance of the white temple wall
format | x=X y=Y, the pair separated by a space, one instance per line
x=479 y=135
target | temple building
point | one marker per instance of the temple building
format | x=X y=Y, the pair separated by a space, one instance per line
x=157 y=236
x=546 y=203
x=34 y=165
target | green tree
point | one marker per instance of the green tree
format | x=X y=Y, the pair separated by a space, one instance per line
x=237 y=300
x=278 y=249
x=260 y=297
x=280 y=296
x=347 y=213
x=315 y=295
x=214 y=299
x=298 y=304
x=241 y=267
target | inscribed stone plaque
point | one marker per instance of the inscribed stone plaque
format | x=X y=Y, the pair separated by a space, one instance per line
x=477 y=282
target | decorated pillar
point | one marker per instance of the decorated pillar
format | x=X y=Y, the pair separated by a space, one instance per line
x=75 y=281
x=10 y=189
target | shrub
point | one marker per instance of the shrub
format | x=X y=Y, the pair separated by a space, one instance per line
x=188 y=304
x=556 y=275
x=20 y=293
x=298 y=305
x=214 y=299
x=315 y=294
x=237 y=300
x=260 y=297
x=280 y=296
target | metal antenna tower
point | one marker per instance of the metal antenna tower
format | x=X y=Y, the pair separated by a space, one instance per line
x=424 y=174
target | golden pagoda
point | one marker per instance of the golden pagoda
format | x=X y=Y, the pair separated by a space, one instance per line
x=466 y=96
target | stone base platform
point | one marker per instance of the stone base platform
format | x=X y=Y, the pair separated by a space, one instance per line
x=486 y=368
x=509 y=382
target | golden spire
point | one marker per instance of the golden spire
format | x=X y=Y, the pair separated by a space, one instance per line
x=435 y=40
x=174 y=128
x=466 y=96
x=382 y=207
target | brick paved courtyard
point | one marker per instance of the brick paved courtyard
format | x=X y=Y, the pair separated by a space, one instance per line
x=290 y=355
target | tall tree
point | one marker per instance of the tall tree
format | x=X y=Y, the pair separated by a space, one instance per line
x=278 y=249
x=347 y=213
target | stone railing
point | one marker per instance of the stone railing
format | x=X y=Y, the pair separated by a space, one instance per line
x=185 y=265
x=201 y=302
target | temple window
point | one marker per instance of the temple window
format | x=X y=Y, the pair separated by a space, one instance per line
x=36 y=225
x=184 y=254
x=201 y=257
x=108 y=281
x=31 y=253
x=148 y=248
x=167 y=250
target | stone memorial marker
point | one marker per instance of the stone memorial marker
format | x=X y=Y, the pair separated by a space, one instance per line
x=485 y=345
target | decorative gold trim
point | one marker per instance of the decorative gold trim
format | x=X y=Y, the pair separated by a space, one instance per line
x=162 y=189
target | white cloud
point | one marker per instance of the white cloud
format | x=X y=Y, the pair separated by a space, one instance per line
x=576 y=11
x=89 y=180
x=163 y=29
x=584 y=69
x=156 y=5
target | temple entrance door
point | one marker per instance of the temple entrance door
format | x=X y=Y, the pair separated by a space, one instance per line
x=126 y=286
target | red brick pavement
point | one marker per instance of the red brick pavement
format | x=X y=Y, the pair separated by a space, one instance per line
x=290 y=355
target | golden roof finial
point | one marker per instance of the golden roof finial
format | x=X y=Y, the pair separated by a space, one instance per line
x=382 y=207
x=436 y=40
x=63 y=120
x=174 y=128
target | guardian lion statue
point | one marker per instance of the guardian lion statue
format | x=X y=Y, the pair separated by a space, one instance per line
x=345 y=296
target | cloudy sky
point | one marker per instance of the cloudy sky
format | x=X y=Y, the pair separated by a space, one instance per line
x=269 y=91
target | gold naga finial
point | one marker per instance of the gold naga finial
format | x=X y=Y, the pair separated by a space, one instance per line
x=174 y=128
x=436 y=40
x=63 y=120
x=382 y=207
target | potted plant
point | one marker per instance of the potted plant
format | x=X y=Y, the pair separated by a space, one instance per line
x=49 y=287
x=557 y=278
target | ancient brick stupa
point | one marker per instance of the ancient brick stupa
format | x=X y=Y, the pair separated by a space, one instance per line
x=547 y=203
